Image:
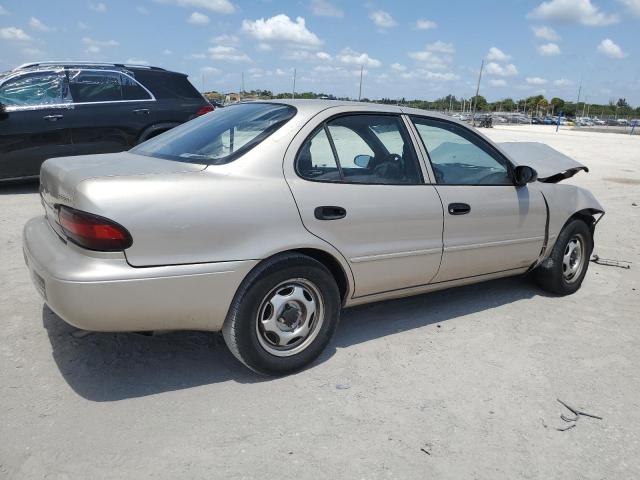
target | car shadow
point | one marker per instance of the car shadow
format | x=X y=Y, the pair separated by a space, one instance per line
x=105 y=367
x=19 y=188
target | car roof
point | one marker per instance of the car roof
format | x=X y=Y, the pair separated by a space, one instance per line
x=80 y=64
x=314 y=106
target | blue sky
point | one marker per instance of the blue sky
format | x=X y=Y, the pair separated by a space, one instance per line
x=413 y=49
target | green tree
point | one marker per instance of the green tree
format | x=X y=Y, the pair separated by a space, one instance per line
x=480 y=103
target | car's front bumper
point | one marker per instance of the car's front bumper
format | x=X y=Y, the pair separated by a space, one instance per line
x=104 y=293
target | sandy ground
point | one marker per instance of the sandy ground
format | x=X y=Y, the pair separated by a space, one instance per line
x=456 y=384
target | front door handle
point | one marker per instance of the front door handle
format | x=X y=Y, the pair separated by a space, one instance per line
x=141 y=111
x=329 y=212
x=52 y=118
x=459 y=208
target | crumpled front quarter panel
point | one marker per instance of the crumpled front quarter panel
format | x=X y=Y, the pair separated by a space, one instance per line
x=565 y=200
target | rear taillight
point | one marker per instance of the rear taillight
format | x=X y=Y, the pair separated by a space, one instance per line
x=92 y=231
x=205 y=109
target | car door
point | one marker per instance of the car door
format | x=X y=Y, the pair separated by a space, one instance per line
x=490 y=225
x=111 y=109
x=359 y=186
x=34 y=125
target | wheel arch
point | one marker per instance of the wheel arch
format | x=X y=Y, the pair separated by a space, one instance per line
x=155 y=129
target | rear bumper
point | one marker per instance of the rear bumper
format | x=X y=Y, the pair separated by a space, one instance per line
x=104 y=293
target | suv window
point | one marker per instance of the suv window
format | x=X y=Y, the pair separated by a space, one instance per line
x=220 y=136
x=373 y=149
x=37 y=88
x=458 y=157
x=166 y=85
x=89 y=86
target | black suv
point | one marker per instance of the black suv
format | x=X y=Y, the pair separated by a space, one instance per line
x=61 y=109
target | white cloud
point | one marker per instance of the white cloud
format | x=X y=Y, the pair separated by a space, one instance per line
x=562 y=82
x=382 y=19
x=497 y=55
x=196 y=56
x=3 y=11
x=210 y=70
x=166 y=51
x=230 y=54
x=437 y=55
x=226 y=39
x=609 y=48
x=497 y=82
x=549 y=49
x=546 y=33
x=98 y=7
x=323 y=8
x=439 y=76
x=197 y=18
x=94 y=46
x=441 y=47
x=424 y=24
x=14 y=33
x=264 y=47
x=536 y=81
x=142 y=10
x=323 y=56
x=281 y=29
x=136 y=61
x=573 y=11
x=398 y=67
x=632 y=5
x=493 y=68
x=83 y=26
x=37 y=24
x=218 y=6
x=351 y=57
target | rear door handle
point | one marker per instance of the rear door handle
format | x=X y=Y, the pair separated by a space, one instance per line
x=459 y=208
x=329 y=212
x=52 y=118
x=141 y=111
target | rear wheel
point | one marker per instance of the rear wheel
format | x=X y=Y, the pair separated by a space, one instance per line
x=283 y=315
x=563 y=272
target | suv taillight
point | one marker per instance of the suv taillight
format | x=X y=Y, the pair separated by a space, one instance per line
x=205 y=109
x=93 y=231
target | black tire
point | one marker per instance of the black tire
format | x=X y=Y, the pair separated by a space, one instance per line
x=242 y=330
x=550 y=274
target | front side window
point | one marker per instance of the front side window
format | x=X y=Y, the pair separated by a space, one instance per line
x=35 y=89
x=89 y=86
x=220 y=136
x=458 y=157
x=371 y=149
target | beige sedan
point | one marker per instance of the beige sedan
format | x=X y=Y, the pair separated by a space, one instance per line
x=265 y=219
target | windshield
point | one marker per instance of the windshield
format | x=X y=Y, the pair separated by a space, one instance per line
x=220 y=136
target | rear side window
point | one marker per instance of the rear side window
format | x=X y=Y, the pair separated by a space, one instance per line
x=168 y=85
x=220 y=136
x=33 y=89
x=88 y=86
x=364 y=148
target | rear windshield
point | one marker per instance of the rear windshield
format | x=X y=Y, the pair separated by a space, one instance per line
x=168 y=85
x=220 y=136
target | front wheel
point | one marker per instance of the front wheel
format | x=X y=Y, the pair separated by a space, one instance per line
x=283 y=315
x=563 y=272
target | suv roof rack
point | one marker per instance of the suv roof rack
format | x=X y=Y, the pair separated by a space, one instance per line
x=95 y=64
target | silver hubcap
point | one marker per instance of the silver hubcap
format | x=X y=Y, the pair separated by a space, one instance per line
x=572 y=261
x=290 y=317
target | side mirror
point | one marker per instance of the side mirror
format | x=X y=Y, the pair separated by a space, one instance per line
x=523 y=175
x=362 y=160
